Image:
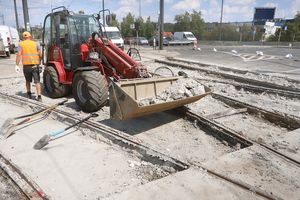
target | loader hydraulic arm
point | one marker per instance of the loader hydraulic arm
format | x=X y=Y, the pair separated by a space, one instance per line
x=125 y=67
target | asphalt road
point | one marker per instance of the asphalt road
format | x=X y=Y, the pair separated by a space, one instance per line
x=272 y=62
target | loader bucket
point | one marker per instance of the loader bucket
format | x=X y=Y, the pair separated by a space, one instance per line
x=124 y=96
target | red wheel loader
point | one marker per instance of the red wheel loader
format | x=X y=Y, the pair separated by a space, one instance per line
x=79 y=58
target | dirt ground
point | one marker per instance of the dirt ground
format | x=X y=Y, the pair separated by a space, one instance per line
x=80 y=167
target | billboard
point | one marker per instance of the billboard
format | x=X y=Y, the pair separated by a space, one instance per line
x=263 y=14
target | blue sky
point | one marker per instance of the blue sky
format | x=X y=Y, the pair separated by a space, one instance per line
x=234 y=10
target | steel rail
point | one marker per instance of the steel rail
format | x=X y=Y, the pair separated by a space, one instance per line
x=239 y=71
x=288 y=121
x=220 y=129
x=253 y=88
x=232 y=77
x=27 y=186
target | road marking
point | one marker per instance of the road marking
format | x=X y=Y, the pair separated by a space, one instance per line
x=252 y=57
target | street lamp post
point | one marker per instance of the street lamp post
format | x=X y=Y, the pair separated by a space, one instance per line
x=16 y=14
x=26 y=15
x=103 y=13
x=140 y=9
x=161 y=24
x=220 y=35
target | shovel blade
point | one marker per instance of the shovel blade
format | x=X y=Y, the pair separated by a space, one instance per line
x=8 y=122
x=42 y=142
x=8 y=131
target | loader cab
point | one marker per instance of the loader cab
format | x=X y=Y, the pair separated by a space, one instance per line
x=64 y=33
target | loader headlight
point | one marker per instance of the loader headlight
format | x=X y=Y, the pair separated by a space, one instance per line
x=94 y=55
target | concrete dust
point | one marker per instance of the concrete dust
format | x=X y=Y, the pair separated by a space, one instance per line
x=260 y=169
x=173 y=136
x=193 y=183
x=267 y=101
x=256 y=76
x=8 y=190
x=254 y=128
x=66 y=167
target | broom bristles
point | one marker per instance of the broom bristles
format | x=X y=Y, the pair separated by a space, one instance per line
x=5 y=126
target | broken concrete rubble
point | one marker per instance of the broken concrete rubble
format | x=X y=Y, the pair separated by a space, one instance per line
x=182 y=88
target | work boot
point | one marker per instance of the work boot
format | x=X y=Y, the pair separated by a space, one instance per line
x=39 y=98
x=29 y=95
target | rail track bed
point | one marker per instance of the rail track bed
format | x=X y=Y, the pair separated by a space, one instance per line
x=163 y=147
x=257 y=89
x=237 y=141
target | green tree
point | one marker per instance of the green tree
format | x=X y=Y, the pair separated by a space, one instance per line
x=149 y=28
x=190 y=22
x=169 y=27
x=294 y=28
x=125 y=26
x=182 y=22
x=141 y=26
x=114 y=21
x=197 y=24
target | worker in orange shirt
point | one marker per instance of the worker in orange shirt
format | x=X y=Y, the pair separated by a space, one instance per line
x=31 y=55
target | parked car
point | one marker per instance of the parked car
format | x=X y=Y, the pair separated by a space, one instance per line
x=141 y=41
x=129 y=40
x=165 y=40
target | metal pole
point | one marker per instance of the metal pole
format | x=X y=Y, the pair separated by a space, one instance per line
x=161 y=24
x=279 y=36
x=2 y=19
x=16 y=14
x=140 y=9
x=103 y=15
x=26 y=15
x=220 y=36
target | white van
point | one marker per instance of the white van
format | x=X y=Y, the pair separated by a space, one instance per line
x=114 y=35
x=2 y=47
x=185 y=36
x=10 y=37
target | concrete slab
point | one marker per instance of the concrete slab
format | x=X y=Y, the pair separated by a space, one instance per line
x=73 y=167
x=193 y=183
x=290 y=144
x=261 y=169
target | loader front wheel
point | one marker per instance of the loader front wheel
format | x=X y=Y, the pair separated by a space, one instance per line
x=90 y=90
x=51 y=83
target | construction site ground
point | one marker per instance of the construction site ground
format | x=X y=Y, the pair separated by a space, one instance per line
x=87 y=165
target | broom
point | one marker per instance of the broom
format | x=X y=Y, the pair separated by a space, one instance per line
x=9 y=126
x=52 y=136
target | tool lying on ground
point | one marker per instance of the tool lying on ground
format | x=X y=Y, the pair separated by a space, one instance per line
x=226 y=113
x=9 y=126
x=54 y=135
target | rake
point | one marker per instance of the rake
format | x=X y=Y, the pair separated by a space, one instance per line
x=9 y=126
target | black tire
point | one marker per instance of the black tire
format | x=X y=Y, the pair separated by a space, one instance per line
x=8 y=54
x=90 y=90
x=51 y=83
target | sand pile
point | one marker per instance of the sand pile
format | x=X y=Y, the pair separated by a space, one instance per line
x=182 y=88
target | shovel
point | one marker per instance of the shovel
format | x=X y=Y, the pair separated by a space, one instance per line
x=54 y=135
x=9 y=127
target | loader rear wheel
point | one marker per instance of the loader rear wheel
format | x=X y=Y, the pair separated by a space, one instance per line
x=51 y=83
x=90 y=90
